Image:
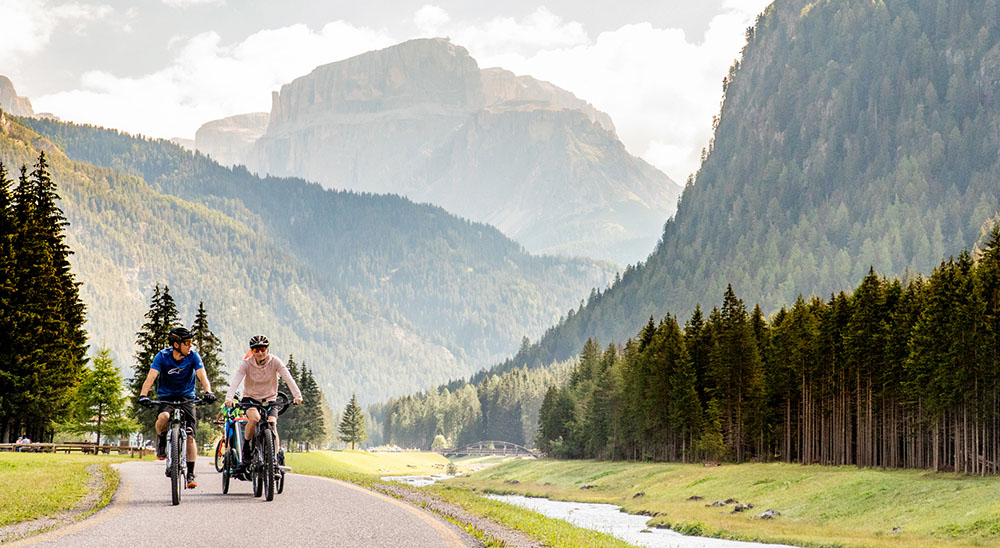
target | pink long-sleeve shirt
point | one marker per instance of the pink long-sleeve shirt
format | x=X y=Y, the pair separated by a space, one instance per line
x=260 y=382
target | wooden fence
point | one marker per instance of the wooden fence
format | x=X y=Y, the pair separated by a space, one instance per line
x=90 y=448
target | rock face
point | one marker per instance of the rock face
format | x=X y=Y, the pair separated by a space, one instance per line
x=11 y=102
x=228 y=140
x=422 y=120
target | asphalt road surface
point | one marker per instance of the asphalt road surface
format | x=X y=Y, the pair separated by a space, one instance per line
x=311 y=512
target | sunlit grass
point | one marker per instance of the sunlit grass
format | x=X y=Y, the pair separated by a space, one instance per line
x=33 y=485
x=820 y=506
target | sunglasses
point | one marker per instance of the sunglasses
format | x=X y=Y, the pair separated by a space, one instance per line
x=259 y=348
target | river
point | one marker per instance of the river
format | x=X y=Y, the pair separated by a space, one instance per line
x=606 y=518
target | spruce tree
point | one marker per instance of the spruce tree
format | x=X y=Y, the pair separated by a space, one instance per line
x=101 y=406
x=209 y=347
x=43 y=310
x=312 y=426
x=151 y=338
x=7 y=263
x=352 y=426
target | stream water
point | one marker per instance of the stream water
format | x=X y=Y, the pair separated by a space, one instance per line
x=606 y=518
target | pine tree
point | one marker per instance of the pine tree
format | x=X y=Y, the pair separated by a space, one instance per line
x=311 y=417
x=7 y=262
x=352 y=426
x=151 y=338
x=47 y=343
x=209 y=348
x=101 y=406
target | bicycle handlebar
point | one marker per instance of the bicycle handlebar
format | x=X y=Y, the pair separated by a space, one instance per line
x=281 y=401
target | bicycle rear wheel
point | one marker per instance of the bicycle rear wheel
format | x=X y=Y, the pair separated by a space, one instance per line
x=228 y=466
x=175 y=465
x=220 y=455
x=270 y=465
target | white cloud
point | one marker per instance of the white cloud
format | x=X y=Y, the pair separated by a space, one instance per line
x=188 y=3
x=28 y=25
x=430 y=18
x=208 y=80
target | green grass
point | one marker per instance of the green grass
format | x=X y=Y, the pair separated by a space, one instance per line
x=820 y=506
x=34 y=485
x=364 y=468
x=365 y=464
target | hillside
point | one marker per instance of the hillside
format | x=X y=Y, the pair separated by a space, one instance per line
x=852 y=135
x=376 y=294
x=420 y=119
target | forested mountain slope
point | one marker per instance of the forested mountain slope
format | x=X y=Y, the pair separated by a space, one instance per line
x=374 y=293
x=852 y=135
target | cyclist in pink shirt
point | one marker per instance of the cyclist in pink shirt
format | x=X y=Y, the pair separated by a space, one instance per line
x=259 y=375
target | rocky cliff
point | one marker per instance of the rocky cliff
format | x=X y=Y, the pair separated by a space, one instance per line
x=228 y=140
x=11 y=102
x=422 y=120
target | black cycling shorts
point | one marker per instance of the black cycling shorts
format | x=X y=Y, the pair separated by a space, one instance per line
x=271 y=411
x=188 y=413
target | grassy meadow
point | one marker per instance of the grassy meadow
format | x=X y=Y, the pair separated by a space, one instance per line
x=34 y=485
x=820 y=506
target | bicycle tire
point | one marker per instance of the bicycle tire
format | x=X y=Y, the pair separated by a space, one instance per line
x=270 y=465
x=175 y=465
x=256 y=476
x=220 y=455
x=228 y=464
x=281 y=483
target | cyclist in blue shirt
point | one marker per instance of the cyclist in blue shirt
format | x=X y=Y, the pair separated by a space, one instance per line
x=177 y=367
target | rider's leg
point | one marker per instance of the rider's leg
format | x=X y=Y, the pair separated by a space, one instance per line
x=253 y=416
x=162 y=421
x=274 y=428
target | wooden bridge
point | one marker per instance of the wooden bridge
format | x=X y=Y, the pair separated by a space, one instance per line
x=490 y=448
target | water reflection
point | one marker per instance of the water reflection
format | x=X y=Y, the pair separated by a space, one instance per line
x=608 y=518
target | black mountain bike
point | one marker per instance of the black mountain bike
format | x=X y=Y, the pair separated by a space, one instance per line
x=266 y=469
x=177 y=448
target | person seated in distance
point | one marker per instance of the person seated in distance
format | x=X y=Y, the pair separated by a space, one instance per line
x=259 y=375
x=177 y=367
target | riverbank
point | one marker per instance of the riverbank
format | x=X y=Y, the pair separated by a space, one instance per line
x=817 y=506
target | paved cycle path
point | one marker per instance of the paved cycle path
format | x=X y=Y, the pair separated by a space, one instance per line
x=311 y=512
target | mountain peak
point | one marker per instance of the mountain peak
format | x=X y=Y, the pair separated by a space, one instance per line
x=11 y=102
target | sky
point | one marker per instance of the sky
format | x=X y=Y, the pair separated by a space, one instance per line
x=162 y=68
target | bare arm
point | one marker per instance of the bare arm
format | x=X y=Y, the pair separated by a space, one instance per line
x=296 y=393
x=241 y=372
x=203 y=377
x=148 y=383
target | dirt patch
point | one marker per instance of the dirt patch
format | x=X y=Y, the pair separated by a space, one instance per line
x=511 y=537
x=83 y=508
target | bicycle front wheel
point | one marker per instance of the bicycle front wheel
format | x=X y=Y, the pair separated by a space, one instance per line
x=175 y=465
x=270 y=465
x=220 y=455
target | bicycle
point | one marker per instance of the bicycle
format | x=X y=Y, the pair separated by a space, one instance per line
x=177 y=447
x=232 y=428
x=266 y=469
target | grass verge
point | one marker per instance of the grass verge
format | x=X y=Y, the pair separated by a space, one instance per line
x=36 y=485
x=819 y=506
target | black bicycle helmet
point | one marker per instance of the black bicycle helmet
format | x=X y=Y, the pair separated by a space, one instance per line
x=179 y=335
x=258 y=341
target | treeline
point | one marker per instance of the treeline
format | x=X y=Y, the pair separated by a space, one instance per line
x=902 y=375
x=42 y=342
x=500 y=407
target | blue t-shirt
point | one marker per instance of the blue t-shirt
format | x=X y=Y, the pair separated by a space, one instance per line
x=176 y=378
